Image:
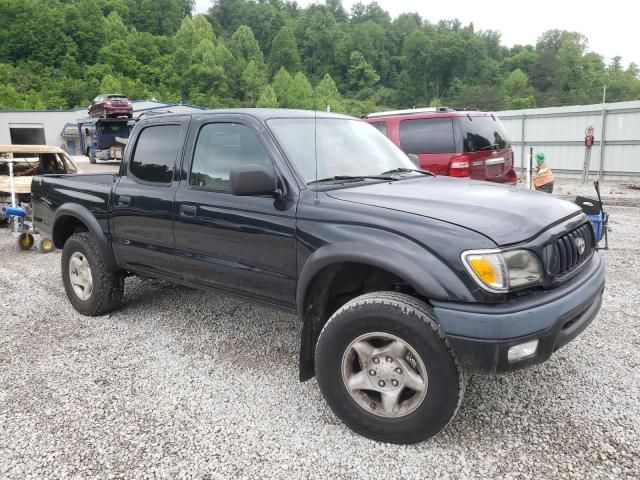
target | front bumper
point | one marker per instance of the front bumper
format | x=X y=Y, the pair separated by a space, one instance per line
x=481 y=335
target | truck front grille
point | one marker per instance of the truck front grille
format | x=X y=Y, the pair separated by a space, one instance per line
x=574 y=248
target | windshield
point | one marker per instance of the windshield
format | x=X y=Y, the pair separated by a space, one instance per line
x=483 y=133
x=344 y=147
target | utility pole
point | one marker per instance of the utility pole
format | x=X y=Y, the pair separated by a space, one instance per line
x=603 y=131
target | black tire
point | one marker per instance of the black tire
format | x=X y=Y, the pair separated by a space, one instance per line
x=108 y=287
x=413 y=322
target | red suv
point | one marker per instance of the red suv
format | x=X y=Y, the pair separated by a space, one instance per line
x=451 y=142
x=111 y=105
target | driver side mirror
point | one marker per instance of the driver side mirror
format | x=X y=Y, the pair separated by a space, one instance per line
x=414 y=158
x=253 y=180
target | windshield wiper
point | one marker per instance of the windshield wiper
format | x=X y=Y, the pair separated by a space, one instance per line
x=406 y=170
x=494 y=146
x=351 y=178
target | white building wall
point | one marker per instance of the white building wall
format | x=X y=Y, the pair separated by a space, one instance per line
x=559 y=132
x=52 y=121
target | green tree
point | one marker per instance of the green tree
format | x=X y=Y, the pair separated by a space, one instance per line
x=301 y=94
x=160 y=17
x=327 y=95
x=284 y=52
x=9 y=98
x=319 y=37
x=517 y=92
x=244 y=46
x=361 y=75
x=282 y=85
x=61 y=53
x=415 y=79
x=252 y=83
x=267 y=98
x=192 y=31
x=114 y=27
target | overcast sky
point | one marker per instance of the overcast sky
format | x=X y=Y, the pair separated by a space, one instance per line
x=611 y=27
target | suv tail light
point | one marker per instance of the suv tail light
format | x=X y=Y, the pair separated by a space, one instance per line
x=459 y=167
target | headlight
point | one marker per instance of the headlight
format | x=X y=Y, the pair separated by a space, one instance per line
x=499 y=272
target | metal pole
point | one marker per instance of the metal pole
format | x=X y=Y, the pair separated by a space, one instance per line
x=522 y=143
x=13 y=186
x=602 y=129
x=530 y=169
x=13 y=195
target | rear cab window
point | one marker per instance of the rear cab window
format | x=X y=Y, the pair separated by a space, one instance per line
x=483 y=133
x=427 y=135
x=155 y=154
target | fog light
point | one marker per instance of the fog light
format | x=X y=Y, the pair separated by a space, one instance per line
x=522 y=351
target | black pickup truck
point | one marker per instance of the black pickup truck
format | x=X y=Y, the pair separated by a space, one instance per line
x=403 y=281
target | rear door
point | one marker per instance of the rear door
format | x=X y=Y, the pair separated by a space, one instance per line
x=142 y=202
x=432 y=140
x=486 y=144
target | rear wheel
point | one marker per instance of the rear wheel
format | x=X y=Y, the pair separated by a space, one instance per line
x=90 y=287
x=384 y=366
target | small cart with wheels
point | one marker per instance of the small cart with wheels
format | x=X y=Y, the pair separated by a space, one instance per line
x=597 y=216
x=19 y=217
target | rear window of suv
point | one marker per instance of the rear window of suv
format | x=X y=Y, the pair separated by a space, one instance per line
x=483 y=133
x=427 y=135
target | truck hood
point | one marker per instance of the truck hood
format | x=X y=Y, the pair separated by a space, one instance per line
x=502 y=213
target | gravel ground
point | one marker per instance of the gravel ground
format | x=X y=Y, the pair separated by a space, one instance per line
x=188 y=384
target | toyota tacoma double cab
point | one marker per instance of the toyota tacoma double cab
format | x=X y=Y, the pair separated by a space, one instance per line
x=403 y=281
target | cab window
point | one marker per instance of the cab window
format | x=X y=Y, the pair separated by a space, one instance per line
x=155 y=154
x=221 y=147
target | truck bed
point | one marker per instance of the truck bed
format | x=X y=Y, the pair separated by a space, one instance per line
x=92 y=191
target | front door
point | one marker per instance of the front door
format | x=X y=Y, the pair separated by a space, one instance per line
x=142 y=203
x=237 y=244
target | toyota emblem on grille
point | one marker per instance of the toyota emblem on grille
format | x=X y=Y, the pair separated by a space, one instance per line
x=580 y=245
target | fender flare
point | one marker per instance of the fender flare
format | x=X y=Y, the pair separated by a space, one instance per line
x=83 y=214
x=410 y=270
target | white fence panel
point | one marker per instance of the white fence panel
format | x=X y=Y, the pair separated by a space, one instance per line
x=559 y=133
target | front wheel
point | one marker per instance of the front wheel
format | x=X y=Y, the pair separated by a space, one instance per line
x=386 y=370
x=90 y=287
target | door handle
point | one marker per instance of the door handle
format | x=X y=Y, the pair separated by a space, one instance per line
x=124 y=200
x=187 y=211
